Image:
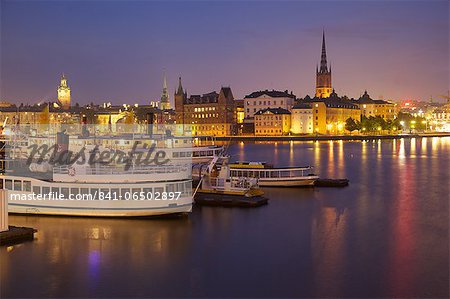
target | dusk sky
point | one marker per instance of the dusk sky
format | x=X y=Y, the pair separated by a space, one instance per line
x=117 y=51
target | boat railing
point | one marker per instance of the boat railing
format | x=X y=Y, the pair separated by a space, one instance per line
x=235 y=182
x=114 y=170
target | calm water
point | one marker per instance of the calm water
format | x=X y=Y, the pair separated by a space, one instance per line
x=385 y=235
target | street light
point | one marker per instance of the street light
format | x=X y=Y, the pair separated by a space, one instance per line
x=426 y=124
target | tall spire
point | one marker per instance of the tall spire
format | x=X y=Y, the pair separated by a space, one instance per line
x=180 y=87
x=323 y=60
x=165 y=102
x=164 y=81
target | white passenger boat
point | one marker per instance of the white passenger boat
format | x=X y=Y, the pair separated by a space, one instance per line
x=113 y=190
x=269 y=176
x=176 y=147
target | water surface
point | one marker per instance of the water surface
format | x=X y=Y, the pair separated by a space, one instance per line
x=386 y=235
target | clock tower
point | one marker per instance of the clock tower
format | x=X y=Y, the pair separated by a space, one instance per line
x=64 y=93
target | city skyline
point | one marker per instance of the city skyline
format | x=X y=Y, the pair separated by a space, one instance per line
x=109 y=56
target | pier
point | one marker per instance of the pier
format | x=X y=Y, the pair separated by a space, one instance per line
x=10 y=235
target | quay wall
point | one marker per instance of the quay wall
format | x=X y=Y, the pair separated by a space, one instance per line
x=326 y=137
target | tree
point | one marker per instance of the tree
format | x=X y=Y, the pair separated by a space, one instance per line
x=352 y=125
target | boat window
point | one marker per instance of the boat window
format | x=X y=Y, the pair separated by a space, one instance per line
x=45 y=190
x=84 y=191
x=105 y=194
x=189 y=154
x=175 y=154
x=94 y=193
x=55 y=191
x=17 y=185
x=74 y=191
x=245 y=173
x=135 y=193
x=180 y=187
x=36 y=190
x=170 y=187
x=239 y=173
x=195 y=154
x=115 y=194
x=274 y=174
x=27 y=186
x=284 y=174
x=262 y=174
x=148 y=192
x=158 y=190
x=125 y=194
x=182 y=154
x=65 y=193
x=188 y=187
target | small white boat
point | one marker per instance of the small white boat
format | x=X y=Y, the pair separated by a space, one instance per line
x=220 y=182
x=269 y=176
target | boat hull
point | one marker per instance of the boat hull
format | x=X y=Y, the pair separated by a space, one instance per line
x=210 y=199
x=291 y=182
x=100 y=208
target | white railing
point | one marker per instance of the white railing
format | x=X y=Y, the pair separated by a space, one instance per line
x=115 y=170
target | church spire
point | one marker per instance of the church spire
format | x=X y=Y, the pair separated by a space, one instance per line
x=165 y=82
x=165 y=102
x=323 y=60
x=180 y=87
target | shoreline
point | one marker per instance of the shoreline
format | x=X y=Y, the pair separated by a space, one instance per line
x=328 y=137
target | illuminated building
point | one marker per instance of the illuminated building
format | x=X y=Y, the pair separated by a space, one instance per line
x=302 y=119
x=331 y=114
x=210 y=114
x=272 y=122
x=64 y=93
x=239 y=108
x=263 y=99
x=323 y=74
x=370 y=107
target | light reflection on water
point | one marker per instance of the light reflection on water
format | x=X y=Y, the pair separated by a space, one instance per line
x=386 y=235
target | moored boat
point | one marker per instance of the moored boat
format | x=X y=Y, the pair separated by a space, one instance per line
x=218 y=187
x=113 y=189
x=269 y=176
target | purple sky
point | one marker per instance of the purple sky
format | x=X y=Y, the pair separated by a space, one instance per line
x=116 y=51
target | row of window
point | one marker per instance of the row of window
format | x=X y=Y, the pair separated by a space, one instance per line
x=261 y=123
x=213 y=127
x=269 y=131
x=181 y=154
x=18 y=185
x=270 y=117
x=202 y=109
x=263 y=103
x=205 y=115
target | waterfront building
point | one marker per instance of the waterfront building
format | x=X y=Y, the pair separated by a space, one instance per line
x=370 y=107
x=323 y=74
x=331 y=114
x=263 y=99
x=302 y=118
x=240 y=112
x=165 y=101
x=209 y=114
x=272 y=122
x=64 y=93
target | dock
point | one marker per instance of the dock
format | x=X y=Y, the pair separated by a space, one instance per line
x=230 y=201
x=15 y=235
x=331 y=183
